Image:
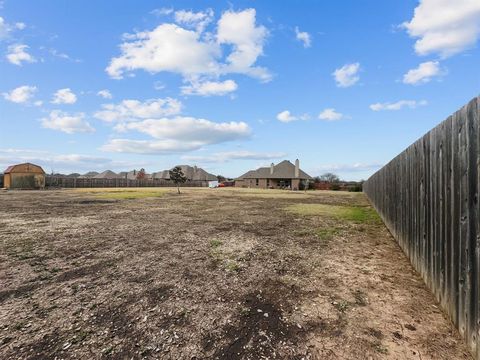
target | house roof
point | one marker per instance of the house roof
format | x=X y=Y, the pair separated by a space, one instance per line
x=192 y=173
x=88 y=175
x=107 y=174
x=24 y=167
x=283 y=170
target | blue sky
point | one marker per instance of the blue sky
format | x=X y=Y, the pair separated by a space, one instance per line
x=229 y=86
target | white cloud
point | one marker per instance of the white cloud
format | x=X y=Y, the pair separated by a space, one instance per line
x=412 y=104
x=423 y=73
x=6 y=29
x=61 y=162
x=189 y=129
x=149 y=146
x=347 y=75
x=347 y=167
x=162 y=11
x=234 y=155
x=166 y=48
x=133 y=110
x=330 y=115
x=286 y=116
x=196 y=20
x=62 y=121
x=21 y=94
x=58 y=54
x=106 y=94
x=64 y=96
x=18 y=53
x=239 y=29
x=445 y=27
x=304 y=37
x=172 y=48
x=209 y=88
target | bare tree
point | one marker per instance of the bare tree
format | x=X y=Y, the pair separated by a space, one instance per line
x=330 y=177
x=177 y=176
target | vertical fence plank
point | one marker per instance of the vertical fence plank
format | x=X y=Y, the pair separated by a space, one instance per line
x=428 y=198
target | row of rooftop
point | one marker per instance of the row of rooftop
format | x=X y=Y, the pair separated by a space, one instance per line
x=282 y=175
x=193 y=173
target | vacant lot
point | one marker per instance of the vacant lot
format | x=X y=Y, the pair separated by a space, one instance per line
x=209 y=274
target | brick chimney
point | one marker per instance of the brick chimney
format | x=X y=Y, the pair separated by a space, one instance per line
x=297 y=168
x=271 y=169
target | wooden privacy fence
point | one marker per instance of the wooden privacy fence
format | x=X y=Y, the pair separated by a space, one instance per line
x=428 y=198
x=65 y=182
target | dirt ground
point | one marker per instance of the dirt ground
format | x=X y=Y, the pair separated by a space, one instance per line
x=209 y=274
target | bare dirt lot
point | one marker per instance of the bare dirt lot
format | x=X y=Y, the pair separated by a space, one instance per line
x=209 y=274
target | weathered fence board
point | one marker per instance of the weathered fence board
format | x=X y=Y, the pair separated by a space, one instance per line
x=428 y=198
x=66 y=182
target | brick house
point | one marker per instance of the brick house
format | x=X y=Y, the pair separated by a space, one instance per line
x=284 y=175
x=192 y=173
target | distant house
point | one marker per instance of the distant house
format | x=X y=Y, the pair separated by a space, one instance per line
x=284 y=175
x=193 y=173
x=133 y=175
x=24 y=176
x=107 y=174
x=88 y=175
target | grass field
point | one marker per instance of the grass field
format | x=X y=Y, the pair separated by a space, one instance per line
x=209 y=274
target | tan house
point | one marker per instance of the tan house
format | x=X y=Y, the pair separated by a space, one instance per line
x=24 y=176
x=192 y=173
x=284 y=175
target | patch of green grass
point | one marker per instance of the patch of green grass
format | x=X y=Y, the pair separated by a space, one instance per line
x=128 y=195
x=326 y=234
x=342 y=305
x=380 y=348
x=214 y=243
x=357 y=214
x=232 y=266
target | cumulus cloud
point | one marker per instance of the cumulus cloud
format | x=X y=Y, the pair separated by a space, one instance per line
x=106 y=94
x=6 y=29
x=196 y=20
x=166 y=48
x=226 y=156
x=286 y=116
x=210 y=88
x=149 y=146
x=17 y=54
x=64 y=96
x=412 y=104
x=67 y=123
x=444 y=27
x=423 y=73
x=303 y=37
x=60 y=162
x=133 y=110
x=239 y=29
x=170 y=133
x=330 y=115
x=189 y=129
x=347 y=75
x=172 y=48
x=21 y=94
